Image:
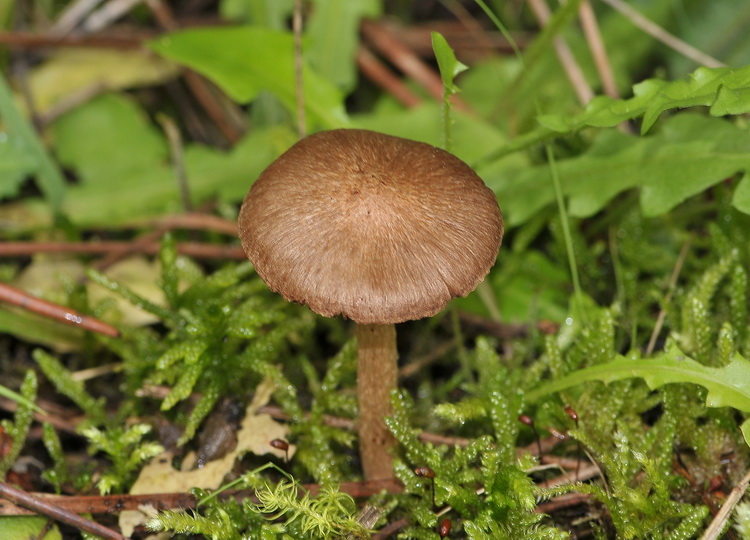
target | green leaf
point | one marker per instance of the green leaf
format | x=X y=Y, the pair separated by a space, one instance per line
x=21 y=400
x=23 y=527
x=270 y=13
x=724 y=90
x=63 y=381
x=333 y=32
x=472 y=137
x=690 y=154
x=124 y=168
x=728 y=386
x=741 y=197
x=16 y=163
x=107 y=140
x=447 y=62
x=245 y=60
x=30 y=146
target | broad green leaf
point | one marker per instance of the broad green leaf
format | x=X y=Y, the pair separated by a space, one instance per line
x=210 y=173
x=741 y=197
x=25 y=527
x=124 y=166
x=447 y=62
x=727 y=386
x=269 y=13
x=724 y=90
x=29 y=147
x=109 y=140
x=16 y=163
x=472 y=137
x=245 y=60
x=333 y=32
x=696 y=153
x=690 y=154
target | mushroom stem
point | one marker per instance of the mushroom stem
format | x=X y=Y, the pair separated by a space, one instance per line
x=376 y=377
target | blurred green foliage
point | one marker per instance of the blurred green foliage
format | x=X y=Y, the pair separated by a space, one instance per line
x=653 y=180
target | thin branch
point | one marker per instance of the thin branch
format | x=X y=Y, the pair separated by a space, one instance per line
x=72 y=15
x=64 y=314
x=196 y=221
x=70 y=102
x=298 y=64
x=572 y=70
x=191 y=249
x=114 y=504
x=598 y=50
x=107 y=14
x=31 y=40
x=670 y=290
x=380 y=74
x=39 y=506
x=221 y=110
x=384 y=40
x=192 y=221
x=178 y=161
x=718 y=523
x=658 y=33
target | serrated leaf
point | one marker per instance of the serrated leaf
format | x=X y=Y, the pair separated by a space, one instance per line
x=728 y=386
x=724 y=90
x=690 y=154
x=243 y=61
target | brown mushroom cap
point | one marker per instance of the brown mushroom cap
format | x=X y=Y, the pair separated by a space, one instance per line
x=377 y=228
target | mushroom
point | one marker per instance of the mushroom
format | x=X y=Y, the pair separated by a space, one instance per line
x=378 y=229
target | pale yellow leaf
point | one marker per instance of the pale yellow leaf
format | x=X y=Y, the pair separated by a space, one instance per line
x=255 y=434
x=70 y=71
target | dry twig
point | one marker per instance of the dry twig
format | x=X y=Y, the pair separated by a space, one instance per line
x=45 y=508
x=64 y=314
x=572 y=70
x=657 y=32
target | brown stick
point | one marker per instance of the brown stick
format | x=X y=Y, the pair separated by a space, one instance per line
x=113 y=504
x=30 y=40
x=379 y=73
x=598 y=50
x=377 y=374
x=407 y=61
x=657 y=32
x=567 y=60
x=191 y=249
x=208 y=95
x=299 y=86
x=42 y=507
x=20 y=298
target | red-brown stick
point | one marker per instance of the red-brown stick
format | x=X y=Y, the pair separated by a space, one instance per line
x=201 y=251
x=42 y=507
x=19 y=298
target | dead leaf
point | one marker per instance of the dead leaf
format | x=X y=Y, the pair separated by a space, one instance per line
x=68 y=71
x=255 y=434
